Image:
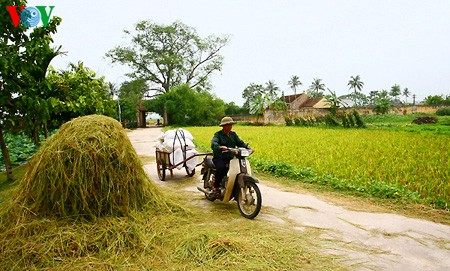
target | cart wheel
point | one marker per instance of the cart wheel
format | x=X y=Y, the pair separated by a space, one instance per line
x=189 y=172
x=161 y=168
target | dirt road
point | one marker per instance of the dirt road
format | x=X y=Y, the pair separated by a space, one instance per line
x=372 y=241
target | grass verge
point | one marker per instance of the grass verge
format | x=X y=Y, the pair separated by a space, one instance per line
x=358 y=201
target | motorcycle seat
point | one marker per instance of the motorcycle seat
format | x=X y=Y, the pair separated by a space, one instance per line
x=209 y=162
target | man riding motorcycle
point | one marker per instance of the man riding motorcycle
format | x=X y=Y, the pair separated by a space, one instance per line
x=221 y=141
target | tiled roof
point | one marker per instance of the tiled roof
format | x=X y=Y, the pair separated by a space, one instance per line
x=290 y=98
x=311 y=102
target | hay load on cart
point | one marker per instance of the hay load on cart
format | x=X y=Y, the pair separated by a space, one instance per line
x=176 y=149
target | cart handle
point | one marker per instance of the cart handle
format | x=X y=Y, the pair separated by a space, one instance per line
x=195 y=155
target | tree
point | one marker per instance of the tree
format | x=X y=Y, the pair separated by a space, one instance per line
x=294 y=82
x=271 y=89
x=169 y=56
x=130 y=97
x=233 y=109
x=382 y=103
x=251 y=92
x=77 y=92
x=316 y=88
x=372 y=96
x=406 y=93
x=186 y=106
x=395 y=92
x=356 y=84
x=259 y=98
x=259 y=104
x=334 y=101
x=24 y=58
x=434 y=100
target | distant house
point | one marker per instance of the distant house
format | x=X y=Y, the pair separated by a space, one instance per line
x=303 y=101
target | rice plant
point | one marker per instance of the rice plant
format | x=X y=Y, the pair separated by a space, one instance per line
x=416 y=163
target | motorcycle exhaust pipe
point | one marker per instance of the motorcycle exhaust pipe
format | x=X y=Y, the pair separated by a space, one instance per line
x=201 y=189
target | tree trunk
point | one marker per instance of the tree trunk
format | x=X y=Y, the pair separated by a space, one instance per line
x=45 y=130
x=6 y=159
x=165 y=121
x=36 y=136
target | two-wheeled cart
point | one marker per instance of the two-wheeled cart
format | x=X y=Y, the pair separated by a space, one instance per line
x=163 y=163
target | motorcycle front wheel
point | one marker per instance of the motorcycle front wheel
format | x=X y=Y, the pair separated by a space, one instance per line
x=249 y=200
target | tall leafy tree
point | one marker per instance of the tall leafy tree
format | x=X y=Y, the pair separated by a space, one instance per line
x=251 y=92
x=130 y=97
x=316 y=88
x=395 y=91
x=437 y=100
x=382 y=102
x=166 y=56
x=186 y=106
x=356 y=84
x=294 y=83
x=77 y=91
x=25 y=55
x=233 y=109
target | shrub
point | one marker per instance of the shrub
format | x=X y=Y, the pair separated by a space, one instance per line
x=351 y=121
x=331 y=121
x=443 y=111
x=345 y=122
x=288 y=121
x=359 y=122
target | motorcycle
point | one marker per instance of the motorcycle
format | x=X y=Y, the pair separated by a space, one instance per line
x=239 y=185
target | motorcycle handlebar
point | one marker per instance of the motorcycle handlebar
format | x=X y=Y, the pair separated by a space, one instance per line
x=237 y=151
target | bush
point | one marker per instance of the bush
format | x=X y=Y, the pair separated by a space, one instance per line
x=443 y=111
x=359 y=122
x=331 y=121
x=288 y=121
x=20 y=148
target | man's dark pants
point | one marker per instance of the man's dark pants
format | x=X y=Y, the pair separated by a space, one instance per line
x=222 y=167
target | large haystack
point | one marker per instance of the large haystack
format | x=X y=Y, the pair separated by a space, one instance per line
x=88 y=169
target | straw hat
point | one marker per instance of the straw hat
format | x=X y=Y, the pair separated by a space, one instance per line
x=226 y=120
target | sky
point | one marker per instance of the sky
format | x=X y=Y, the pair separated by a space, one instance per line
x=403 y=42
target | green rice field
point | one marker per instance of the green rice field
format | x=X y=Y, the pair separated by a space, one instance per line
x=394 y=163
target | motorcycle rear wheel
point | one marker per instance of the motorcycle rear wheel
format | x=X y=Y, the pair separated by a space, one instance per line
x=249 y=200
x=207 y=184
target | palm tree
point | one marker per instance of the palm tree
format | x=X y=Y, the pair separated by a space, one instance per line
x=271 y=89
x=316 y=88
x=372 y=96
x=294 y=83
x=356 y=84
x=395 y=91
x=406 y=93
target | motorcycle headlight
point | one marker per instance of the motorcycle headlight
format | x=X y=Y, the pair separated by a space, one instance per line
x=245 y=152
